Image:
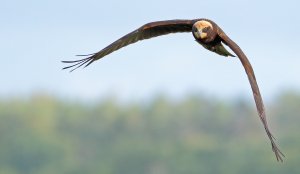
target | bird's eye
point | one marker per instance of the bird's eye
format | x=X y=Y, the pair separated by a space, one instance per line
x=195 y=30
x=205 y=29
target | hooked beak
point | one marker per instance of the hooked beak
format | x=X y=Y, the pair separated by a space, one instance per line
x=199 y=33
x=202 y=34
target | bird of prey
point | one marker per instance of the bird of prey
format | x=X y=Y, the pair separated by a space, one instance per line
x=208 y=34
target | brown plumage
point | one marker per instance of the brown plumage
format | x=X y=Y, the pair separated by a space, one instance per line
x=208 y=34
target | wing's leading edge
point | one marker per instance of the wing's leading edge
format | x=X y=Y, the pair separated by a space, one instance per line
x=257 y=96
x=147 y=31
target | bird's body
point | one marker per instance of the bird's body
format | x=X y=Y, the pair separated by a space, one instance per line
x=208 y=34
x=216 y=47
x=210 y=41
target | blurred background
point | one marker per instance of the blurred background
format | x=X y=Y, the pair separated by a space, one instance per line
x=160 y=106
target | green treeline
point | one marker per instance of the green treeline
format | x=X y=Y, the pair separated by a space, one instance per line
x=46 y=135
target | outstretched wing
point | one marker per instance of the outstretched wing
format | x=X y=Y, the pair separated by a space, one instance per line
x=257 y=97
x=147 y=31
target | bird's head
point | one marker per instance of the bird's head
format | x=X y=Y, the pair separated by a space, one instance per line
x=204 y=31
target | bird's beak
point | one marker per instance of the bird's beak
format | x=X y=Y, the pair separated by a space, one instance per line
x=198 y=33
x=202 y=34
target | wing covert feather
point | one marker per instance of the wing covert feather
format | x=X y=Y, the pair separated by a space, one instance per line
x=147 y=31
x=256 y=93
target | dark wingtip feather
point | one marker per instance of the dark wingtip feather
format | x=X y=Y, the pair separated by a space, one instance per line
x=86 y=54
x=78 y=63
x=279 y=155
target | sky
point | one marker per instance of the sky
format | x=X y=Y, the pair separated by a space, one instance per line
x=36 y=35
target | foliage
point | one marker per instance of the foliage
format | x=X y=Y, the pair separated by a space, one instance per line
x=46 y=135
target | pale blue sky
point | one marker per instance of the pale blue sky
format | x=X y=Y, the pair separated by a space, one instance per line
x=36 y=35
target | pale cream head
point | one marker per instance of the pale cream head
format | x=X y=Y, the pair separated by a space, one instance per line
x=198 y=28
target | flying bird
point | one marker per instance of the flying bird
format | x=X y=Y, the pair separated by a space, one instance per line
x=208 y=34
